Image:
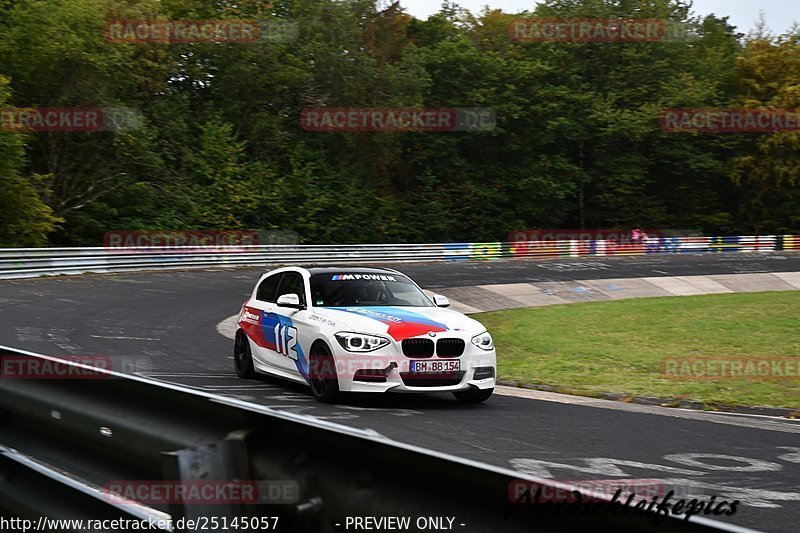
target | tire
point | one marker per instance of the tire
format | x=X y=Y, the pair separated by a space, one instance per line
x=243 y=357
x=322 y=374
x=474 y=395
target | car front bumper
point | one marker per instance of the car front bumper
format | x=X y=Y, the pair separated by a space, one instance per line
x=391 y=373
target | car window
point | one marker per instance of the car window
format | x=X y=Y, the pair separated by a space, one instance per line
x=293 y=284
x=268 y=288
x=366 y=290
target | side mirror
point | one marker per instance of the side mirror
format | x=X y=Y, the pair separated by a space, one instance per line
x=441 y=301
x=290 y=300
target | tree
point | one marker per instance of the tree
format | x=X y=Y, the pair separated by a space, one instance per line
x=767 y=170
x=24 y=219
x=57 y=56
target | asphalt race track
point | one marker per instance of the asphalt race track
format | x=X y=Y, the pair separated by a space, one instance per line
x=163 y=325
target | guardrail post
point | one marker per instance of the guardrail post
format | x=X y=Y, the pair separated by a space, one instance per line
x=215 y=464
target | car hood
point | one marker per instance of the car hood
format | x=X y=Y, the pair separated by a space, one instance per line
x=401 y=322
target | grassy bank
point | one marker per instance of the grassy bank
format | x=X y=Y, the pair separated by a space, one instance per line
x=620 y=346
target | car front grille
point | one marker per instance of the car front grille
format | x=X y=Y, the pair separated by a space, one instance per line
x=450 y=347
x=448 y=379
x=418 y=348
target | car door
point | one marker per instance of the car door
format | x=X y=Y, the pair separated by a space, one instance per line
x=291 y=327
x=264 y=352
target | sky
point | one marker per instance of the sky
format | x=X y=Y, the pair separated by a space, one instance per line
x=743 y=13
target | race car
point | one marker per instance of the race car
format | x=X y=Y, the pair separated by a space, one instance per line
x=353 y=329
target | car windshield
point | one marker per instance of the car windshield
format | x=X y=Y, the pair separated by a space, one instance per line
x=365 y=290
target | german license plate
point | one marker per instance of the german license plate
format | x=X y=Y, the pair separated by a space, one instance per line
x=435 y=367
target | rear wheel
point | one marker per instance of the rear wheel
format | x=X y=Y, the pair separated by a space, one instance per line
x=243 y=357
x=322 y=374
x=473 y=395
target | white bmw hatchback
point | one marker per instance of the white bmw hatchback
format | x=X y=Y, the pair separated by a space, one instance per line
x=361 y=330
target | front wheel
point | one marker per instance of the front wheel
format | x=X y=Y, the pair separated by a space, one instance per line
x=473 y=395
x=243 y=357
x=322 y=374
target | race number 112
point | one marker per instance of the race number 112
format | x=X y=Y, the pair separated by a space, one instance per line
x=286 y=341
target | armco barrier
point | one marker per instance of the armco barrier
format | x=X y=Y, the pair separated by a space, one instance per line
x=33 y=262
x=64 y=440
x=791 y=242
x=673 y=245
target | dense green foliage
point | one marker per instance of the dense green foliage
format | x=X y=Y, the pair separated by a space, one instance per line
x=24 y=218
x=578 y=143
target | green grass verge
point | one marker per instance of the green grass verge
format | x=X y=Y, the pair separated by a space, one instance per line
x=618 y=346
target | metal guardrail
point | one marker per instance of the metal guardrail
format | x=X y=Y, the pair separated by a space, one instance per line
x=62 y=441
x=33 y=262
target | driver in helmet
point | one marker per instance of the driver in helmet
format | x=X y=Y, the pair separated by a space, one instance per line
x=374 y=291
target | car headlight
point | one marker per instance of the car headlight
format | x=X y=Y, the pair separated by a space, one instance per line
x=483 y=341
x=357 y=342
